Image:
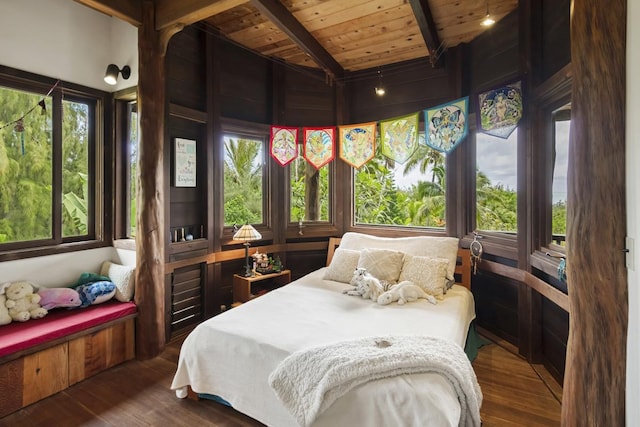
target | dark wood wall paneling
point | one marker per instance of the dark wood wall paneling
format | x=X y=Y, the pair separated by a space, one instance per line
x=555 y=39
x=493 y=56
x=410 y=86
x=244 y=84
x=186 y=73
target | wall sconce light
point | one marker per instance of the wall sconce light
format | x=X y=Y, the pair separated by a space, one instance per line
x=488 y=20
x=111 y=76
x=379 y=89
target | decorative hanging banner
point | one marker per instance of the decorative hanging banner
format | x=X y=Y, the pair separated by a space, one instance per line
x=357 y=143
x=500 y=110
x=284 y=144
x=319 y=146
x=399 y=137
x=447 y=124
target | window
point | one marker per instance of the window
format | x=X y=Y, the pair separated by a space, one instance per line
x=562 y=123
x=42 y=203
x=309 y=191
x=76 y=194
x=413 y=194
x=243 y=180
x=496 y=196
x=132 y=152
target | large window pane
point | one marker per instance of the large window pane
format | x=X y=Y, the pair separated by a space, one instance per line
x=413 y=194
x=75 y=168
x=309 y=191
x=496 y=183
x=559 y=188
x=133 y=166
x=243 y=176
x=25 y=167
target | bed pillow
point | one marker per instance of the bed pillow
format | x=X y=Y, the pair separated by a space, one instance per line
x=383 y=264
x=428 y=273
x=342 y=266
x=123 y=276
x=431 y=246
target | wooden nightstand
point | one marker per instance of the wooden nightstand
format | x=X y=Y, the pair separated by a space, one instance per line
x=246 y=288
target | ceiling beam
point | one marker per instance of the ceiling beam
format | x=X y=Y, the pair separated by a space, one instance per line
x=422 y=11
x=128 y=10
x=277 y=13
x=187 y=12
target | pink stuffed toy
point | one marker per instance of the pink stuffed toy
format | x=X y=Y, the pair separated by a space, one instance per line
x=59 y=297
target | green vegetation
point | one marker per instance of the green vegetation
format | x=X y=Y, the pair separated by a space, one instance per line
x=305 y=179
x=26 y=168
x=242 y=181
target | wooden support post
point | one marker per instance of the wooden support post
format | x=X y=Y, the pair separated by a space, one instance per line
x=594 y=383
x=150 y=242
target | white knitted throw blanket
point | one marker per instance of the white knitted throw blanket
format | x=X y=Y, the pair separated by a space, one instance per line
x=310 y=380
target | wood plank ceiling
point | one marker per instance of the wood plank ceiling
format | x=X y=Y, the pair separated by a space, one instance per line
x=334 y=35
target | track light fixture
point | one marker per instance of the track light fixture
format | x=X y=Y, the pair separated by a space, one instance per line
x=111 y=76
x=488 y=19
x=379 y=89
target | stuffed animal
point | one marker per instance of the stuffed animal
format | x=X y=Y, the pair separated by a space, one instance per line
x=405 y=292
x=22 y=303
x=5 y=319
x=366 y=285
x=59 y=297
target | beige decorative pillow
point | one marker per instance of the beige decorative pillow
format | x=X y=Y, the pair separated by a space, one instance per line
x=428 y=273
x=431 y=246
x=123 y=276
x=383 y=264
x=343 y=264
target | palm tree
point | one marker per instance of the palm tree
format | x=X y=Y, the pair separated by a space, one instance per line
x=242 y=177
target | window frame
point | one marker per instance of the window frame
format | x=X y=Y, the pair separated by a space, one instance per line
x=254 y=131
x=99 y=216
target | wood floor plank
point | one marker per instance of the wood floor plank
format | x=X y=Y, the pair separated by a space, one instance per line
x=137 y=393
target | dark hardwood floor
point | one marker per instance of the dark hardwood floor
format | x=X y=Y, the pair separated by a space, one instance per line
x=137 y=394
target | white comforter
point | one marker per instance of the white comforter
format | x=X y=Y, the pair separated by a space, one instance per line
x=232 y=355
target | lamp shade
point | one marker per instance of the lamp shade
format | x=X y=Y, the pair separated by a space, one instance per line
x=247 y=233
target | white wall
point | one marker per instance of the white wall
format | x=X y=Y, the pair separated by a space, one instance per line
x=65 y=40
x=633 y=209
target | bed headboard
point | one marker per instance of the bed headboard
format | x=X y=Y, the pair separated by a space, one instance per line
x=463 y=266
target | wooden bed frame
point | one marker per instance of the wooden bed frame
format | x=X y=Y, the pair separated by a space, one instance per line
x=463 y=266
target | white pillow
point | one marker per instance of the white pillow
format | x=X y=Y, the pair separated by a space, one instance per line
x=342 y=266
x=431 y=246
x=123 y=276
x=426 y=272
x=383 y=264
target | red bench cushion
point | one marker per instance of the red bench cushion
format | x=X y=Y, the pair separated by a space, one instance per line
x=18 y=336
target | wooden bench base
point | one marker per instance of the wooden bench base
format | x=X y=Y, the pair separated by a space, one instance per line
x=32 y=377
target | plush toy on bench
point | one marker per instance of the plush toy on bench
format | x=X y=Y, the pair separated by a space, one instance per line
x=59 y=297
x=22 y=302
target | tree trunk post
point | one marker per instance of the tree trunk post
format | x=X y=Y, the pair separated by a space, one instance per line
x=594 y=383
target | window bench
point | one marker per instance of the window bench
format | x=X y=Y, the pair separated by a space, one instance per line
x=41 y=357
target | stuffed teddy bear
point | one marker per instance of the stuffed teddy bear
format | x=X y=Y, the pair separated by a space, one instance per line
x=405 y=292
x=5 y=319
x=22 y=303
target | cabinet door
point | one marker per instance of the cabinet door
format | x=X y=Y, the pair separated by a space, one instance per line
x=45 y=373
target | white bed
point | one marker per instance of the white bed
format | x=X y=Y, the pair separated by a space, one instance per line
x=233 y=354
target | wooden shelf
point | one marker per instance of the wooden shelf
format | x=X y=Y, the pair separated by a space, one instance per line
x=243 y=287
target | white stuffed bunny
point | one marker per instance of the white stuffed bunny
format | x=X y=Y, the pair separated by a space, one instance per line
x=405 y=292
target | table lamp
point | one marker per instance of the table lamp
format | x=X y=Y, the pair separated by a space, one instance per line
x=247 y=233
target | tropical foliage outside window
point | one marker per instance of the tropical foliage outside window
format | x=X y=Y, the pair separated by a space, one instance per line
x=309 y=191
x=561 y=164
x=496 y=180
x=132 y=145
x=413 y=194
x=243 y=180
x=27 y=155
x=75 y=169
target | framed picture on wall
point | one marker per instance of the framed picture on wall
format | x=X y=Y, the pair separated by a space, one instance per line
x=185 y=162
